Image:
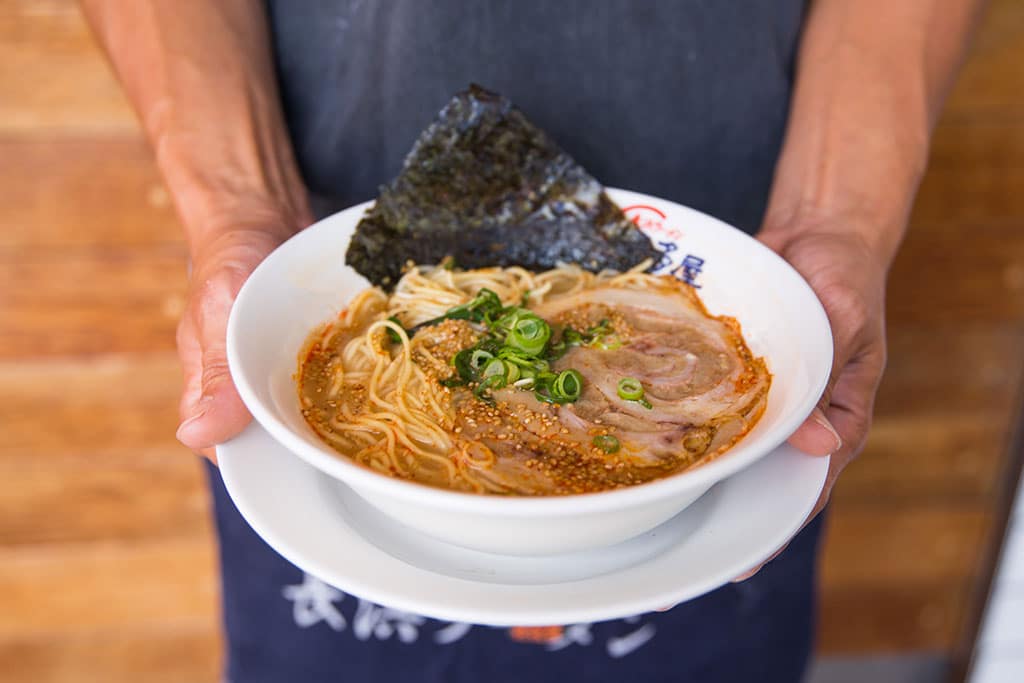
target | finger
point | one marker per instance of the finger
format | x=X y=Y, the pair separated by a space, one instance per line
x=210 y=454
x=191 y=355
x=817 y=436
x=852 y=402
x=219 y=413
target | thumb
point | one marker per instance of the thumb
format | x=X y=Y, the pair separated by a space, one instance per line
x=816 y=435
x=217 y=413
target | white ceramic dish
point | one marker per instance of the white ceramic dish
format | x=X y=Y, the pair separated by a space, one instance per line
x=305 y=282
x=319 y=524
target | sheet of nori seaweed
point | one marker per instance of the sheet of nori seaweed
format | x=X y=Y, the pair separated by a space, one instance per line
x=484 y=185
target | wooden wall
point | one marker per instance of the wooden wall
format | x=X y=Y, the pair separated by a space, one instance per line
x=106 y=554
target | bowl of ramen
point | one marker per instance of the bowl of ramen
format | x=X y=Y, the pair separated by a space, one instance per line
x=503 y=355
x=532 y=412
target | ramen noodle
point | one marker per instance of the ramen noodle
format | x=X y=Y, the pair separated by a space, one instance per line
x=506 y=381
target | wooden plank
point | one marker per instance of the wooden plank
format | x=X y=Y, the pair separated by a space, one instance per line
x=897 y=577
x=178 y=655
x=868 y=620
x=996 y=61
x=79 y=405
x=55 y=590
x=955 y=274
x=927 y=459
x=75 y=193
x=952 y=369
x=911 y=543
x=55 y=80
x=156 y=493
x=973 y=175
x=91 y=300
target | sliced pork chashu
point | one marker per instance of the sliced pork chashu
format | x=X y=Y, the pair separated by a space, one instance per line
x=705 y=387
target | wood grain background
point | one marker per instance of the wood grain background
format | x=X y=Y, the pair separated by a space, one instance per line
x=107 y=561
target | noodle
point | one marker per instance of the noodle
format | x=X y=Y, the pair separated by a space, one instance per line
x=374 y=394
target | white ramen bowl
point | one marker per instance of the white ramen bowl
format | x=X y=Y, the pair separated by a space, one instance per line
x=305 y=283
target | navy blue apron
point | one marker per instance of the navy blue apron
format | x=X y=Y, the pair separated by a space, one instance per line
x=685 y=99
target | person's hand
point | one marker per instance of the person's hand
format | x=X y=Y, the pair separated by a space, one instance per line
x=849 y=279
x=211 y=410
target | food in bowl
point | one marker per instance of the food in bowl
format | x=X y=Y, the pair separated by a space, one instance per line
x=505 y=381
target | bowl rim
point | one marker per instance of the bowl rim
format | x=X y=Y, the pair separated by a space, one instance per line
x=365 y=480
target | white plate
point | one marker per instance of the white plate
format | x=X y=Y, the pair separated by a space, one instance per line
x=320 y=525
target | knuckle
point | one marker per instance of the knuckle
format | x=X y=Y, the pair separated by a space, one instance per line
x=846 y=303
x=860 y=425
x=215 y=369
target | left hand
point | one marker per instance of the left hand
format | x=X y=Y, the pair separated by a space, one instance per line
x=849 y=279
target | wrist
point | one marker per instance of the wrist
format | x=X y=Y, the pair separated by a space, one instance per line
x=248 y=226
x=878 y=236
x=213 y=196
x=219 y=175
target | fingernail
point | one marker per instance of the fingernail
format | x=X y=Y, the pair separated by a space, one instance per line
x=185 y=427
x=820 y=418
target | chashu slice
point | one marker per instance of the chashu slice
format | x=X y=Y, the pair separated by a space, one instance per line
x=705 y=387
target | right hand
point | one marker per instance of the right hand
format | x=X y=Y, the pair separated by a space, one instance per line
x=211 y=410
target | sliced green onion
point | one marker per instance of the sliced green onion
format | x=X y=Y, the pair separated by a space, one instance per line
x=486 y=301
x=568 y=385
x=484 y=306
x=495 y=367
x=546 y=377
x=529 y=334
x=593 y=337
x=556 y=349
x=544 y=397
x=507 y=319
x=607 y=443
x=630 y=389
x=483 y=390
x=460 y=362
x=512 y=373
x=572 y=337
x=527 y=371
x=492 y=346
x=516 y=357
x=392 y=335
x=599 y=330
x=479 y=358
x=516 y=351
